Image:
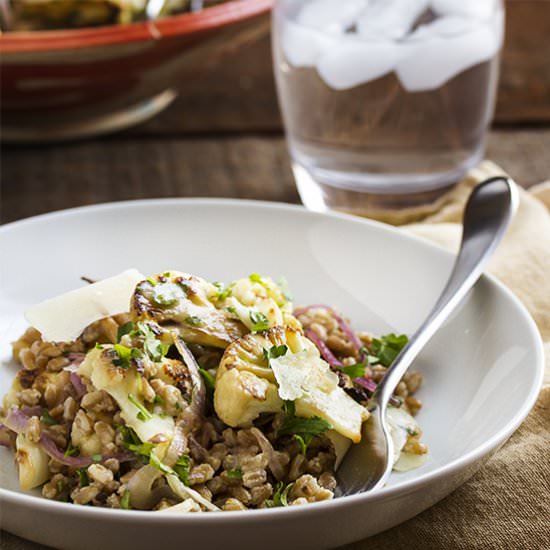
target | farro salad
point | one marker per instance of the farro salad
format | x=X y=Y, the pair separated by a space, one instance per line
x=171 y=393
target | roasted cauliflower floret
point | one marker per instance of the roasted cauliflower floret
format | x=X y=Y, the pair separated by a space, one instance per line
x=124 y=385
x=260 y=371
x=32 y=462
x=186 y=304
x=257 y=302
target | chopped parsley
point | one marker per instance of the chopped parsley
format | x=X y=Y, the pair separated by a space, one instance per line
x=125 y=501
x=209 y=381
x=280 y=496
x=125 y=355
x=277 y=351
x=193 y=320
x=223 y=291
x=166 y=294
x=97 y=457
x=182 y=468
x=234 y=474
x=124 y=329
x=158 y=400
x=256 y=278
x=260 y=321
x=133 y=443
x=47 y=418
x=83 y=477
x=354 y=371
x=231 y=309
x=302 y=429
x=387 y=347
x=274 y=352
x=143 y=414
x=71 y=450
x=154 y=348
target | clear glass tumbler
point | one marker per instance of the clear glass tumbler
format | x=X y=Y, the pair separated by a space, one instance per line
x=386 y=103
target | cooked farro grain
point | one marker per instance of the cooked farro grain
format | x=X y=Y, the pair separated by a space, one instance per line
x=68 y=394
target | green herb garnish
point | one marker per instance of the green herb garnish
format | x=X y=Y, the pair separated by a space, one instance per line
x=125 y=355
x=143 y=413
x=354 y=371
x=47 y=418
x=277 y=351
x=71 y=451
x=166 y=294
x=83 y=478
x=234 y=474
x=158 y=400
x=124 y=329
x=193 y=320
x=96 y=457
x=125 y=501
x=302 y=429
x=133 y=443
x=280 y=497
x=182 y=468
x=387 y=348
x=260 y=321
x=209 y=381
x=154 y=348
x=155 y=461
x=223 y=291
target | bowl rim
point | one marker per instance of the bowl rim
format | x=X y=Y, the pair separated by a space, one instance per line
x=209 y=18
x=257 y=516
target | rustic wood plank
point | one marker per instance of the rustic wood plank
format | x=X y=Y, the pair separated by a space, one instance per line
x=57 y=177
x=238 y=93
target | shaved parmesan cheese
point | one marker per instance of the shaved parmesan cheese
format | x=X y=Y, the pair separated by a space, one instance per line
x=409 y=461
x=186 y=492
x=64 y=318
x=303 y=377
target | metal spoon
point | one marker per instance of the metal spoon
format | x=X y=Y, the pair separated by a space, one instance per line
x=488 y=212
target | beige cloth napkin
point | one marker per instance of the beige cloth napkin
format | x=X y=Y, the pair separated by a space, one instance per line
x=507 y=504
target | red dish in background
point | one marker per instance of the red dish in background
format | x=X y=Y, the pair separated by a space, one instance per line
x=57 y=85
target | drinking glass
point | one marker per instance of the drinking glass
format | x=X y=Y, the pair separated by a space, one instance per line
x=386 y=103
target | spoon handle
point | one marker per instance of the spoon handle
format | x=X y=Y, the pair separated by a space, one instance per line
x=488 y=212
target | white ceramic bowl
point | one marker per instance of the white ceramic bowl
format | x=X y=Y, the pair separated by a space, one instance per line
x=482 y=371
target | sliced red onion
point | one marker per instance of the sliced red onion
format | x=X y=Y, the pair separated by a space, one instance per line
x=37 y=410
x=367 y=383
x=329 y=357
x=51 y=449
x=344 y=326
x=277 y=469
x=371 y=385
x=76 y=357
x=78 y=384
x=178 y=445
x=140 y=485
x=198 y=398
x=16 y=420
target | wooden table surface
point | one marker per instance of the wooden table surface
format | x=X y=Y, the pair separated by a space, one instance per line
x=136 y=166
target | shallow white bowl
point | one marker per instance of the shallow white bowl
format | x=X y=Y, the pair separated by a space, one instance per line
x=482 y=371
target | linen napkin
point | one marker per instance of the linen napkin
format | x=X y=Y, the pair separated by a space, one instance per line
x=506 y=505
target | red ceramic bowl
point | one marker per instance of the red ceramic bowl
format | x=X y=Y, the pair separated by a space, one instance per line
x=58 y=85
